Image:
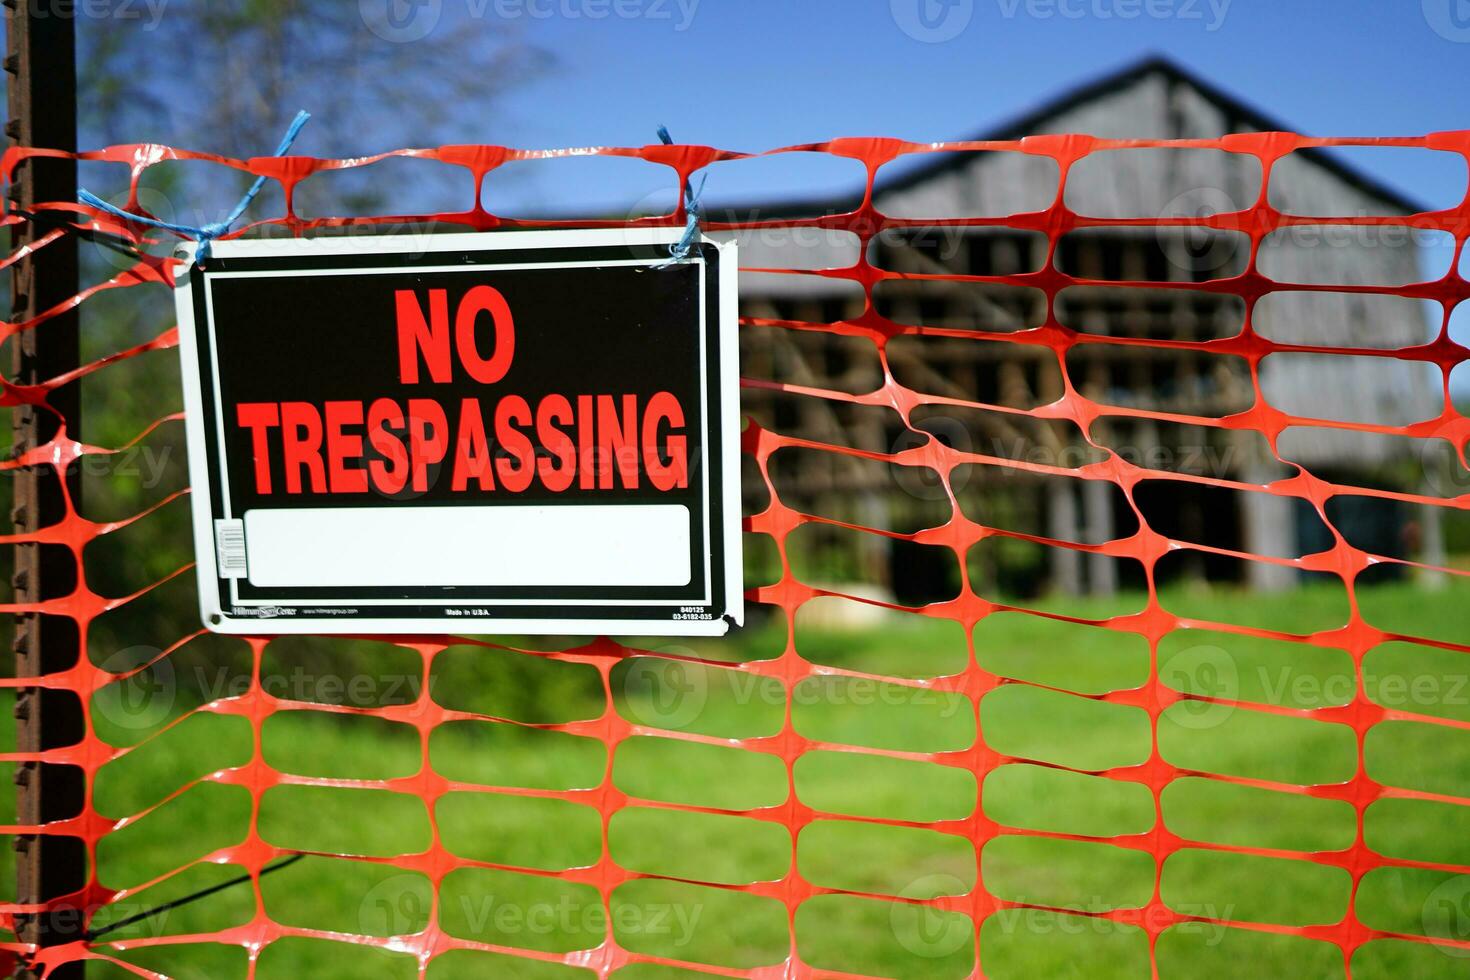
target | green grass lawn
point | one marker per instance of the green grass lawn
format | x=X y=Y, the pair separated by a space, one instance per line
x=1039 y=721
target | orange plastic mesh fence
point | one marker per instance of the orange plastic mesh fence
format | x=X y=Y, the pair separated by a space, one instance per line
x=1119 y=337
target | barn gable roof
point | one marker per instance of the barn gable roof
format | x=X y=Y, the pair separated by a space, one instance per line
x=1245 y=116
x=1241 y=116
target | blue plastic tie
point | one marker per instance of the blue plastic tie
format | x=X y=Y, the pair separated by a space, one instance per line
x=693 y=212
x=204 y=234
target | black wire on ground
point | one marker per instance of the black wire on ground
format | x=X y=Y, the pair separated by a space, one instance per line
x=93 y=934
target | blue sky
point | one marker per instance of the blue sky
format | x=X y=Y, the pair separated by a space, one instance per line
x=753 y=74
x=757 y=74
x=764 y=72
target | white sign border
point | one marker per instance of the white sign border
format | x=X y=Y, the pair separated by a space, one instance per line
x=215 y=617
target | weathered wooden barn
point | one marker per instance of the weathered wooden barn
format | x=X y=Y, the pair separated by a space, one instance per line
x=1159 y=100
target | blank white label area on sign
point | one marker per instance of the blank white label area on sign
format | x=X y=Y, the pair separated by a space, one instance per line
x=566 y=544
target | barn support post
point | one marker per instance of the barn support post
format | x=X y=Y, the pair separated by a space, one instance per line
x=1097 y=508
x=1431 y=549
x=1270 y=530
x=1062 y=524
x=41 y=61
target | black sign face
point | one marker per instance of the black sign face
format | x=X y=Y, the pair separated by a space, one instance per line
x=508 y=432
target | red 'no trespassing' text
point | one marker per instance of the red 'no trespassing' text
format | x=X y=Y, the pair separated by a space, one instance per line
x=595 y=441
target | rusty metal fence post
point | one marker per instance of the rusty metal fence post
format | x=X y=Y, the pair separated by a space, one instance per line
x=41 y=65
